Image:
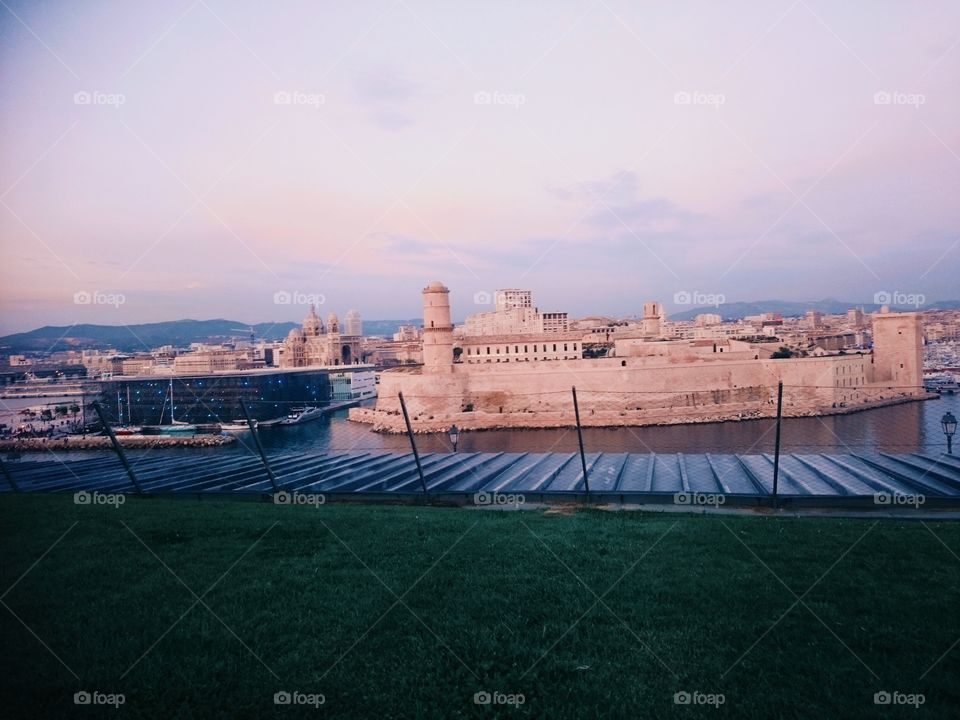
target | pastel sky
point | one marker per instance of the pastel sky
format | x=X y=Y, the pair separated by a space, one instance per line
x=195 y=158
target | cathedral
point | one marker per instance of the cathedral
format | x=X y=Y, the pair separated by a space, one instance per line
x=314 y=344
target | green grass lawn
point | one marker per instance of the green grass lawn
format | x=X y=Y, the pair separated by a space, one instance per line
x=409 y=612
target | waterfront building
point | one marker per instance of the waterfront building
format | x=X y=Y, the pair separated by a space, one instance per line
x=215 y=398
x=644 y=382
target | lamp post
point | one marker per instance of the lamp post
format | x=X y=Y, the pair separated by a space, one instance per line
x=949 y=423
x=454 y=436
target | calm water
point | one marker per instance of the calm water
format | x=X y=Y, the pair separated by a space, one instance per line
x=901 y=428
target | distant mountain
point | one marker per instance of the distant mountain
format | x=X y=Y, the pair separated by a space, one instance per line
x=740 y=310
x=179 y=333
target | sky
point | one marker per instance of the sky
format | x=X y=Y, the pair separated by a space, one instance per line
x=215 y=158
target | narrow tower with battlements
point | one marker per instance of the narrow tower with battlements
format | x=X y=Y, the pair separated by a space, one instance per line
x=437 y=328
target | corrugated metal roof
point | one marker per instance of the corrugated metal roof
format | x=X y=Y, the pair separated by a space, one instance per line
x=629 y=477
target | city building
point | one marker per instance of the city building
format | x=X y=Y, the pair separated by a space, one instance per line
x=514 y=314
x=352 y=324
x=644 y=382
x=316 y=344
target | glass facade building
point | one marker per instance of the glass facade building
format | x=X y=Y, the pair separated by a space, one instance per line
x=212 y=398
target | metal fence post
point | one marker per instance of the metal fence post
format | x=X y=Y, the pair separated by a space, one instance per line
x=776 y=452
x=8 y=476
x=256 y=441
x=116 y=445
x=413 y=443
x=583 y=458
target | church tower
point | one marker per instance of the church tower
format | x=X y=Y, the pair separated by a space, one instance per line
x=437 y=328
x=312 y=326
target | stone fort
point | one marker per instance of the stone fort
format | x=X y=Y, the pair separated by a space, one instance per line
x=647 y=382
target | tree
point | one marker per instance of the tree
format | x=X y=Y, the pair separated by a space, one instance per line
x=783 y=353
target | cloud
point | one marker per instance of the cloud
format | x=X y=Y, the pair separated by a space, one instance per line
x=388 y=97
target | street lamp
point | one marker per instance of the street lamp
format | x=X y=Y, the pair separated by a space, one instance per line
x=949 y=423
x=455 y=435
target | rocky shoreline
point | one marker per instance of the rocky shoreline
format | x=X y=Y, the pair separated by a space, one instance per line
x=100 y=442
x=394 y=425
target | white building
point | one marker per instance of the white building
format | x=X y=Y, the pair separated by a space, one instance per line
x=353 y=385
x=515 y=315
x=352 y=323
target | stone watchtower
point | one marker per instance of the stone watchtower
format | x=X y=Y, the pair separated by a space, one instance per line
x=437 y=328
x=898 y=350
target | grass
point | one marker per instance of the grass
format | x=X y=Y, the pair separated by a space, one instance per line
x=408 y=612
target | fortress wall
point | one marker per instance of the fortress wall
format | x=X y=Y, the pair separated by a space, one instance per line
x=608 y=386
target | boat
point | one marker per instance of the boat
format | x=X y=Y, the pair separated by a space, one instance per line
x=236 y=426
x=176 y=427
x=127 y=430
x=299 y=415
